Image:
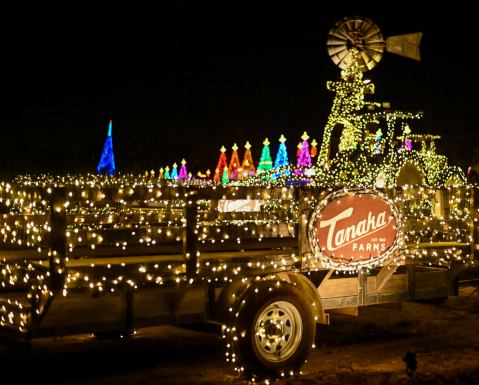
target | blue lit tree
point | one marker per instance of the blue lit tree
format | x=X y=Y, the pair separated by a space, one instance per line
x=174 y=171
x=107 y=160
x=281 y=157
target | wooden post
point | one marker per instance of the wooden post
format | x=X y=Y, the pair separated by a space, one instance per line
x=304 y=249
x=190 y=236
x=58 y=242
x=362 y=287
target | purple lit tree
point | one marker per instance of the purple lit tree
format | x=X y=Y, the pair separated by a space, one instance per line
x=183 y=173
x=304 y=158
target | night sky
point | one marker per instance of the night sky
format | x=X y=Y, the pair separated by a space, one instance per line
x=182 y=79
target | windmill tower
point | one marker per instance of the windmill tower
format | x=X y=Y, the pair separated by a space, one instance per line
x=106 y=165
x=356 y=45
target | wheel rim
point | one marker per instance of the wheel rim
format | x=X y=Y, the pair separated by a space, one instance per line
x=278 y=331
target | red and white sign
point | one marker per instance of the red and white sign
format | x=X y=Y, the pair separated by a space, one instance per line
x=356 y=228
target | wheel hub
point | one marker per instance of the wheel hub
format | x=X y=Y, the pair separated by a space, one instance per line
x=278 y=331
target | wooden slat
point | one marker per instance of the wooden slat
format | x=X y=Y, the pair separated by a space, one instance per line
x=339 y=287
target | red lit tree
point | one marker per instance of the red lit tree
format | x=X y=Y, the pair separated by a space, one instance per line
x=298 y=150
x=314 y=149
x=222 y=164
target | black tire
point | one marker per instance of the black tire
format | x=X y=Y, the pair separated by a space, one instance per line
x=256 y=356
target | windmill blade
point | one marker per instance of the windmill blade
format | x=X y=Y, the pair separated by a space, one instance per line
x=355 y=33
x=405 y=45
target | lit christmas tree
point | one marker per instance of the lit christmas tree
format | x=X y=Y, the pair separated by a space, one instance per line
x=407 y=140
x=247 y=166
x=282 y=154
x=281 y=158
x=222 y=164
x=167 y=173
x=174 y=171
x=224 y=177
x=183 y=173
x=106 y=164
x=378 y=144
x=298 y=150
x=161 y=174
x=234 y=167
x=265 y=162
x=314 y=148
x=304 y=158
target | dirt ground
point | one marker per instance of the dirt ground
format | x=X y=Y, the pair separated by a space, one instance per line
x=368 y=349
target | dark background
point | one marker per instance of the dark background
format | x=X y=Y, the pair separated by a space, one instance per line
x=181 y=79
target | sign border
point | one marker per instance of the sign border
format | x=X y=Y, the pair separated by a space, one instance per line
x=379 y=260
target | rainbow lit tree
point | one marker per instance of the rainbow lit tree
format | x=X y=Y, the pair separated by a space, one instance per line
x=106 y=164
x=265 y=162
x=233 y=169
x=221 y=166
x=247 y=166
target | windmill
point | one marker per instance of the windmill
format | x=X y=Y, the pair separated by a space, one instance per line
x=365 y=36
x=355 y=45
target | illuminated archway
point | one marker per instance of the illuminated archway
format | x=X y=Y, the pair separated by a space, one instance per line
x=410 y=174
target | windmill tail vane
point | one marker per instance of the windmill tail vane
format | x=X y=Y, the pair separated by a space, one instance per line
x=405 y=45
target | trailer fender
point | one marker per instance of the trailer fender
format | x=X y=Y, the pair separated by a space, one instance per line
x=306 y=286
x=232 y=295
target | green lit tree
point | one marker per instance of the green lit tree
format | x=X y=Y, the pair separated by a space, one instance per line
x=167 y=172
x=265 y=162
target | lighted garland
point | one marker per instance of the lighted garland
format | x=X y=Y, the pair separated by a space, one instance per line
x=393 y=252
x=148 y=212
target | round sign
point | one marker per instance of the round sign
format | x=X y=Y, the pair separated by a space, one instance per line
x=351 y=229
